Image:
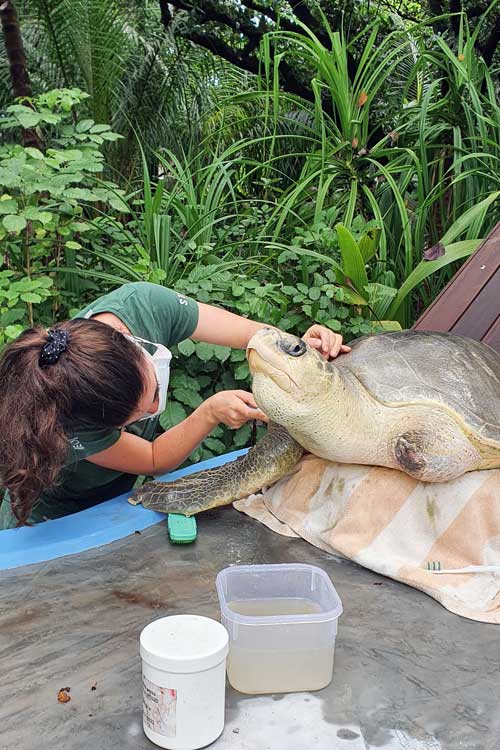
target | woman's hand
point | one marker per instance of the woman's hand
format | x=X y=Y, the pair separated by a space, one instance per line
x=328 y=343
x=138 y=456
x=233 y=408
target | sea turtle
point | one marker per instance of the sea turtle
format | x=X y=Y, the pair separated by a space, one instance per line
x=425 y=403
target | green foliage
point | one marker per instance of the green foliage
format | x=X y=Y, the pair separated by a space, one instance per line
x=14 y=295
x=49 y=199
x=140 y=77
x=418 y=180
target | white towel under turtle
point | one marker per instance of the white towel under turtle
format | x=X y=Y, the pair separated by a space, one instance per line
x=395 y=525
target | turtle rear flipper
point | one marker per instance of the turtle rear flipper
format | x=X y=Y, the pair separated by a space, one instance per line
x=273 y=457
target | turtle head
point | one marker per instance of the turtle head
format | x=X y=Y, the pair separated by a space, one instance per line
x=286 y=374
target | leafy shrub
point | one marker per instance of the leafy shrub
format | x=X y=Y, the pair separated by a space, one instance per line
x=46 y=202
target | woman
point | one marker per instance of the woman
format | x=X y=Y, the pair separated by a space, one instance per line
x=79 y=404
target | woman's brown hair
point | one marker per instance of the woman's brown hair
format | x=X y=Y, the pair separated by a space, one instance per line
x=96 y=382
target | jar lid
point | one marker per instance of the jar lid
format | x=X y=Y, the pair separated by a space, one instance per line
x=184 y=643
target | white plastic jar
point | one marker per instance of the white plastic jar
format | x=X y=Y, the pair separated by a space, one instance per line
x=184 y=681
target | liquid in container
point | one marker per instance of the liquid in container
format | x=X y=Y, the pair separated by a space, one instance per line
x=282 y=625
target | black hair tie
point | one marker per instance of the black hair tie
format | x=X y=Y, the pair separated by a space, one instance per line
x=57 y=343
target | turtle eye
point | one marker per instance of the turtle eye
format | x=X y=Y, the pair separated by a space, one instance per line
x=294 y=348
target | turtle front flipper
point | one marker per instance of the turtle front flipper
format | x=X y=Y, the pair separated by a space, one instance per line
x=273 y=457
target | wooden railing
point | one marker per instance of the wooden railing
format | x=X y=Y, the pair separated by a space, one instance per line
x=470 y=304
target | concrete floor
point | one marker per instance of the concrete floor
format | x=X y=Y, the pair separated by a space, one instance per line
x=408 y=674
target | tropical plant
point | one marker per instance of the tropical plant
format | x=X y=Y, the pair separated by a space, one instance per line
x=44 y=199
x=140 y=78
x=234 y=30
x=415 y=182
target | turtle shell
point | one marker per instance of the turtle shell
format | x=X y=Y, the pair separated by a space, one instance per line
x=422 y=367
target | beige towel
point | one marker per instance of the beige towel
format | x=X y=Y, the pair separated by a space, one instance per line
x=395 y=525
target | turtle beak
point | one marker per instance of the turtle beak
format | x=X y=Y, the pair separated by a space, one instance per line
x=266 y=356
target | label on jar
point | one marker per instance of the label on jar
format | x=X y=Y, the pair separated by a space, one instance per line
x=159 y=708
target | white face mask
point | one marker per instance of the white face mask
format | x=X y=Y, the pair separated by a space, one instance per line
x=161 y=362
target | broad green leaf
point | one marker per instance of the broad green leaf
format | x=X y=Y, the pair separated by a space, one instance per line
x=180 y=379
x=454 y=252
x=14 y=223
x=71 y=245
x=80 y=194
x=384 y=326
x=380 y=297
x=187 y=347
x=350 y=297
x=117 y=203
x=111 y=136
x=242 y=436
x=314 y=293
x=50 y=118
x=353 y=264
x=333 y=324
x=11 y=296
x=474 y=214
x=187 y=397
x=84 y=125
x=71 y=155
x=46 y=217
x=31 y=297
x=79 y=226
x=45 y=281
x=368 y=244
x=222 y=353
x=12 y=332
x=33 y=214
x=215 y=445
x=173 y=414
x=22 y=285
x=242 y=372
x=99 y=128
x=9 y=178
x=28 y=118
x=13 y=315
x=35 y=153
x=204 y=351
x=8 y=206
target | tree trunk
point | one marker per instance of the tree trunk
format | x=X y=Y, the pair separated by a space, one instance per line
x=21 y=86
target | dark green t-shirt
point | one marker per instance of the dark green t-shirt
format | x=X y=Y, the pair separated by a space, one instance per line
x=154 y=313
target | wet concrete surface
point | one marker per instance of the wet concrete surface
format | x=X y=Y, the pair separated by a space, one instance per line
x=408 y=674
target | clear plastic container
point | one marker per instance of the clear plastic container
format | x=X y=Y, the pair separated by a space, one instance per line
x=282 y=624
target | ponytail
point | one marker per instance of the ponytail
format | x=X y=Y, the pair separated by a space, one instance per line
x=95 y=382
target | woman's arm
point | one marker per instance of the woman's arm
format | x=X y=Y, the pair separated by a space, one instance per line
x=218 y=326
x=134 y=455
